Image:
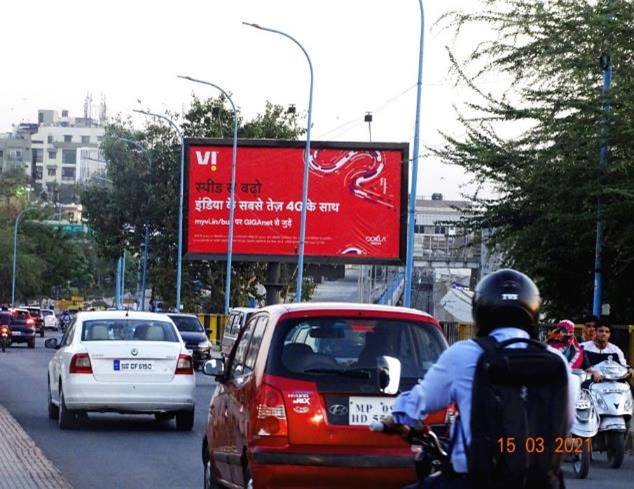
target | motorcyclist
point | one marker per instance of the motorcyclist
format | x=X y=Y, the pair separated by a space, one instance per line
x=601 y=349
x=65 y=318
x=505 y=305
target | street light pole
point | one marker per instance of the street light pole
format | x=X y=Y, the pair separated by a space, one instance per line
x=179 y=265
x=233 y=187
x=302 y=231
x=15 y=249
x=146 y=237
x=409 y=266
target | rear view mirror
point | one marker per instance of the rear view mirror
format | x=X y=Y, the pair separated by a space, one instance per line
x=207 y=331
x=52 y=343
x=214 y=367
x=389 y=374
x=324 y=332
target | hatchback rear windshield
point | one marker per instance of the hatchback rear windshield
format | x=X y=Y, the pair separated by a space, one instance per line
x=187 y=324
x=342 y=354
x=46 y=312
x=21 y=314
x=128 y=330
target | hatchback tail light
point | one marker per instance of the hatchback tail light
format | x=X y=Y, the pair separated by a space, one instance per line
x=80 y=364
x=271 y=413
x=184 y=366
x=30 y=323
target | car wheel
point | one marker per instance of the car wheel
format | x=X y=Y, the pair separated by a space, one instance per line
x=209 y=480
x=66 y=418
x=31 y=343
x=53 y=411
x=185 y=420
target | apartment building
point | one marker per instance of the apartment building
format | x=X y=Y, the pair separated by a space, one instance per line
x=57 y=152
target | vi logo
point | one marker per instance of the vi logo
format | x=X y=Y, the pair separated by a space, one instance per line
x=207 y=158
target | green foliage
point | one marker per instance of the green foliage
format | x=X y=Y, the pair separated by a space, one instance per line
x=547 y=180
x=137 y=197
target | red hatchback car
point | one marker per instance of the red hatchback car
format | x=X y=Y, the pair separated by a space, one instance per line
x=301 y=385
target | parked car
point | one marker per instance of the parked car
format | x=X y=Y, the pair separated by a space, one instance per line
x=36 y=314
x=22 y=327
x=50 y=320
x=123 y=362
x=238 y=317
x=296 y=395
x=194 y=336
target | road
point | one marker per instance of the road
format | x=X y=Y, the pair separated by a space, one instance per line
x=106 y=450
x=115 y=451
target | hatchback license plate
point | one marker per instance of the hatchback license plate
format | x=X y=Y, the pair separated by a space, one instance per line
x=364 y=410
x=126 y=366
x=17 y=333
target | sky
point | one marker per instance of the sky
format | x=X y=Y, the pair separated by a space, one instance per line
x=364 y=53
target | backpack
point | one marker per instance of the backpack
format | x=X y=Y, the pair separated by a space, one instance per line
x=519 y=416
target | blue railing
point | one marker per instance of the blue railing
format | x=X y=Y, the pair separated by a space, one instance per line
x=393 y=292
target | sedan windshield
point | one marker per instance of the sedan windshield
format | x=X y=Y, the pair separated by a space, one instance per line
x=128 y=330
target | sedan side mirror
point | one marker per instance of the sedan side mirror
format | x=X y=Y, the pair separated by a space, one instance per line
x=207 y=331
x=214 y=367
x=52 y=343
x=389 y=374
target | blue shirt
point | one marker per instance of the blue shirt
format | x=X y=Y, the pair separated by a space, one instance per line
x=450 y=379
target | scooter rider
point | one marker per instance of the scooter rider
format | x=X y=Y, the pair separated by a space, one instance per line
x=600 y=349
x=506 y=306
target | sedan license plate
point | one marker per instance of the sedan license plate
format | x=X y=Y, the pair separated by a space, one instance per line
x=364 y=410
x=17 y=333
x=127 y=366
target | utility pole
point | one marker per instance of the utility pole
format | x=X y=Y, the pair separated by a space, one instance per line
x=606 y=66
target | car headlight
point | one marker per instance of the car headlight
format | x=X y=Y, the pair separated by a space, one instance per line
x=204 y=345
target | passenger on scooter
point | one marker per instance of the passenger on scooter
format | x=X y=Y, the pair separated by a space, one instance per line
x=589 y=329
x=506 y=306
x=562 y=338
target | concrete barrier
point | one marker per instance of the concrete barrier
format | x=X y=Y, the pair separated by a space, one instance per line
x=216 y=323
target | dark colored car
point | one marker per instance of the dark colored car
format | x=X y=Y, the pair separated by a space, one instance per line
x=22 y=327
x=36 y=314
x=301 y=386
x=194 y=336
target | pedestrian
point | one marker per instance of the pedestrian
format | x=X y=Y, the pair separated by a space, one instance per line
x=487 y=448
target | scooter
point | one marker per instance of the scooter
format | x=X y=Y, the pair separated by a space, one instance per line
x=5 y=337
x=585 y=426
x=613 y=400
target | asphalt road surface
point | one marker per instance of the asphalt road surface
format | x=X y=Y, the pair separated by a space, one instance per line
x=116 y=451
x=106 y=450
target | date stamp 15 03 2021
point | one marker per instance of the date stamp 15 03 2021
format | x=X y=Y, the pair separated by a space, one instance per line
x=537 y=444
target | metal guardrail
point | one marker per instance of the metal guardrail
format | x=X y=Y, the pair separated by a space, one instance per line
x=392 y=294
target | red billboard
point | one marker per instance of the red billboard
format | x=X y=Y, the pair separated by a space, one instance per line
x=356 y=210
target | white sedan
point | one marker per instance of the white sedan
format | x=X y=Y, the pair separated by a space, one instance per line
x=124 y=362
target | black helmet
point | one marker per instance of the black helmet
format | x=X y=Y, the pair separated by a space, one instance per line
x=506 y=298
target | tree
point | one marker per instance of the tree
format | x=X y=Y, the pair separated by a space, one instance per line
x=118 y=212
x=546 y=180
